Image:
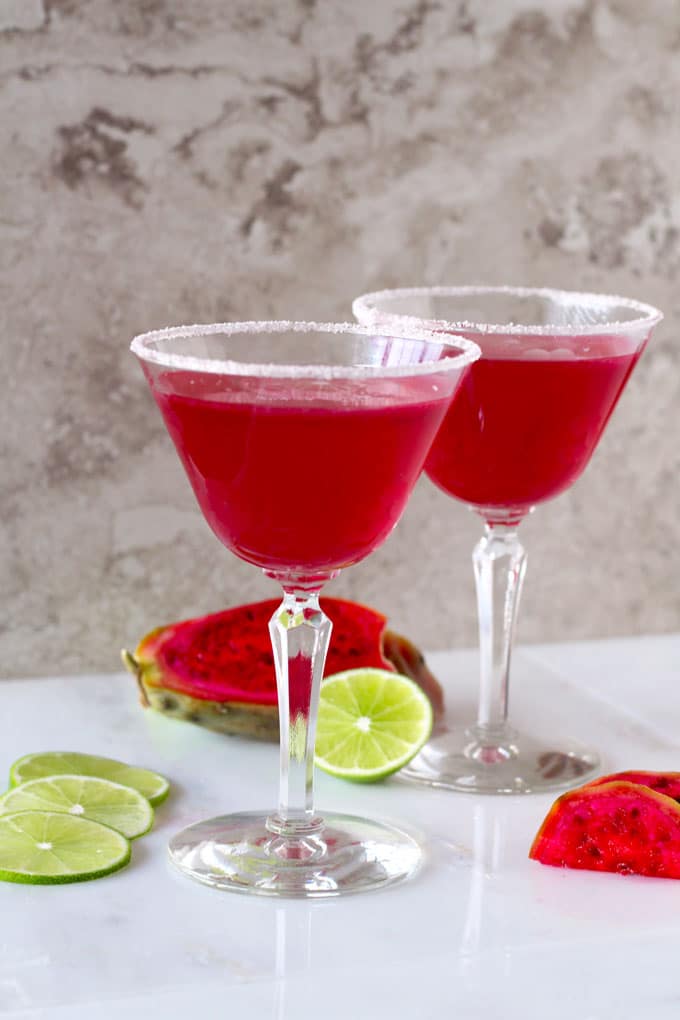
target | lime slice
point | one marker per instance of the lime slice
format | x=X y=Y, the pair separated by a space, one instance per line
x=52 y=763
x=100 y=800
x=371 y=723
x=47 y=847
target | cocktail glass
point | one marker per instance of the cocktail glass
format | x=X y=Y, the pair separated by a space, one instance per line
x=302 y=443
x=521 y=429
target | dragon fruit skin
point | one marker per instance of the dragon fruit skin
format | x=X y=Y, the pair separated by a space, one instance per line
x=667 y=783
x=617 y=826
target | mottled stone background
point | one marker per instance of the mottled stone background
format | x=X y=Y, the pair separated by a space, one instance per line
x=166 y=161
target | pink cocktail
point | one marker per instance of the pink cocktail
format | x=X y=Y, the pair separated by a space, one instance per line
x=530 y=421
x=302 y=442
x=361 y=455
x=521 y=430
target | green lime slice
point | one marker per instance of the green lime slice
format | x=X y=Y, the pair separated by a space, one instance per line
x=371 y=723
x=52 y=763
x=100 y=800
x=48 y=847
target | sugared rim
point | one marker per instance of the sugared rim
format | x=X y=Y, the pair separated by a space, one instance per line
x=648 y=316
x=141 y=347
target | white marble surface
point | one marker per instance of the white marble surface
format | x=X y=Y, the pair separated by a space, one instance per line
x=481 y=933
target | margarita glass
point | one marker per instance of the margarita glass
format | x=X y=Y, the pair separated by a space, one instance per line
x=521 y=430
x=302 y=442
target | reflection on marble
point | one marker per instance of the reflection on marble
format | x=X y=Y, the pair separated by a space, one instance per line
x=172 y=162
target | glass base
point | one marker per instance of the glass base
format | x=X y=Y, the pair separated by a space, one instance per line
x=344 y=854
x=475 y=761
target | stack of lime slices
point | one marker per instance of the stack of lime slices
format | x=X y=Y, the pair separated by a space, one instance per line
x=68 y=817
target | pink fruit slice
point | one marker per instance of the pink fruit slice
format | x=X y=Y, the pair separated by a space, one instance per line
x=615 y=826
x=218 y=670
x=663 y=782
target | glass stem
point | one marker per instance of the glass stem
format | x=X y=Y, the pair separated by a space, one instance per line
x=500 y=564
x=300 y=633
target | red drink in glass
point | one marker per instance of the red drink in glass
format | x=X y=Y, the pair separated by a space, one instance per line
x=523 y=428
x=240 y=443
x=302 y=442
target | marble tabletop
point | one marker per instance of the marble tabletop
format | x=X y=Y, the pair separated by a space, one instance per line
x=481 y=932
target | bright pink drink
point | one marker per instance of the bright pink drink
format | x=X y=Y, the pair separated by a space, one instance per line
x=301 y=475
x=523 y=427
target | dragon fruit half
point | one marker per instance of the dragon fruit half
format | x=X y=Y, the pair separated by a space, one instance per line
x=218 y=671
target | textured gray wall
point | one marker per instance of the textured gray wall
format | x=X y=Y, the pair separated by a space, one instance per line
x=166 y=161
